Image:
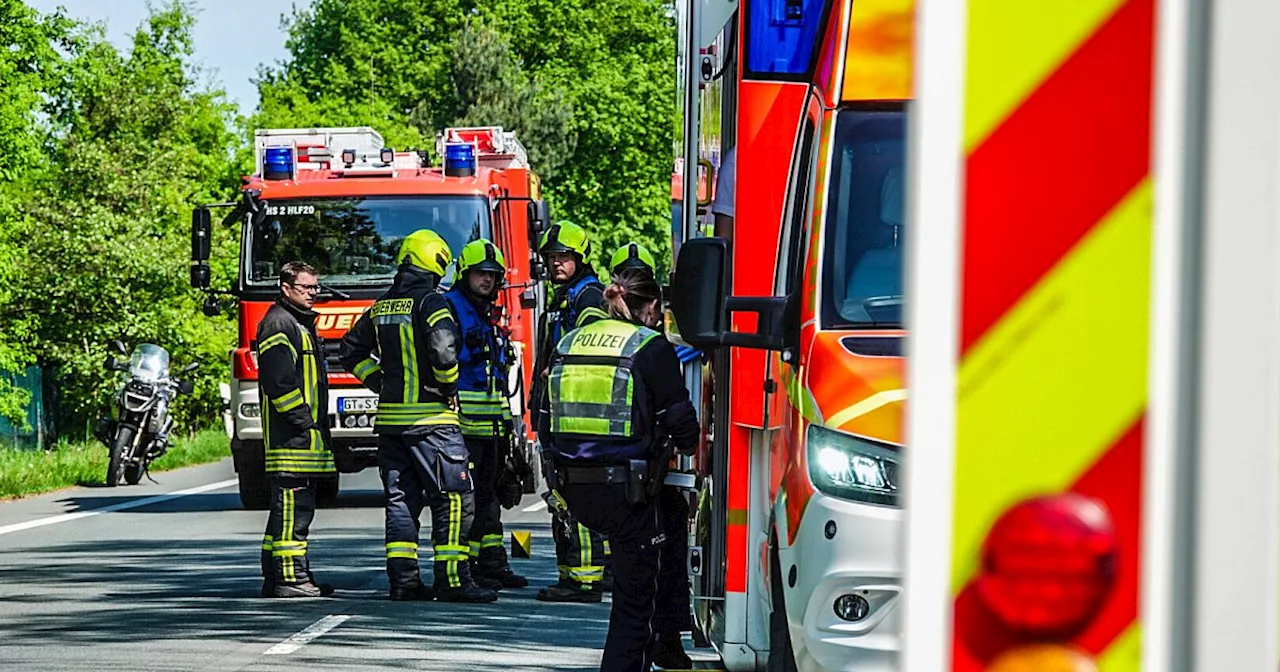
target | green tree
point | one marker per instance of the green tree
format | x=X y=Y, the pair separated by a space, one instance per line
x=29 y=66
x=365 y=63
x=608 y=67
x=136 y=140
x=492 y=89
x=616 y=60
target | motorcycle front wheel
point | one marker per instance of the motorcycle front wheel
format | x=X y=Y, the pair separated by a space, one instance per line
x=120 y=448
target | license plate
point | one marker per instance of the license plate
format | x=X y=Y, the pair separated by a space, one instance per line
x=357 y=404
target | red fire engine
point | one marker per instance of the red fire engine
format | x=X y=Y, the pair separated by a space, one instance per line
x=340 y=200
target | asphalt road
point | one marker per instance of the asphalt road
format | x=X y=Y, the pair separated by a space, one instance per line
x=165 y=577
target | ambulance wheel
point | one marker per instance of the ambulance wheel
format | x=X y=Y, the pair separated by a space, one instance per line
x=781 y=656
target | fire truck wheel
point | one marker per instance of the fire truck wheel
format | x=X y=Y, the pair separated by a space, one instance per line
x=781 y=656
x=327 y=492
x=251 y=469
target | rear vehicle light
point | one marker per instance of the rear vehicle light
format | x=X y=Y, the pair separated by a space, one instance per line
x=1043 y=658
x=1048 y=565
x=250 y=410
x=244 y=364
x=850 y=467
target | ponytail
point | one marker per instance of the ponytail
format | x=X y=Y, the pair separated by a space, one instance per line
x=628 y=293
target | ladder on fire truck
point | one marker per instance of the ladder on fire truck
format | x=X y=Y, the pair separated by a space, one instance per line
x=1095 y=337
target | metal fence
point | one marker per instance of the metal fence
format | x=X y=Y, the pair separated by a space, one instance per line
x=37 y=432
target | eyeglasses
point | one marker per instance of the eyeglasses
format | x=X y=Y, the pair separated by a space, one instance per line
x=306 y=288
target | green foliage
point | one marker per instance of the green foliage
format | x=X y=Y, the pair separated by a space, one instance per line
x=30 y=472
x=133 y=141
x=492 y=89
x=103 y=152
x=589 y=87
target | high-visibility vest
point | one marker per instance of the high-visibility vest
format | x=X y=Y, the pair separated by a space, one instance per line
x=592 y=389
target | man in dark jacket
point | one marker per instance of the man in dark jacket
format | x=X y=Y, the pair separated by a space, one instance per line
x=484 y=363
x=293 y=389
x=577 y=300
x=405 y=348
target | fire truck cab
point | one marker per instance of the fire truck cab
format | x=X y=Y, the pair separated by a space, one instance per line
x=341 y=201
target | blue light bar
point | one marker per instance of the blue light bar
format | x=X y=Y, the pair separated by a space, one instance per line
x=782 y=36
x=459 y=159
x=277 y=163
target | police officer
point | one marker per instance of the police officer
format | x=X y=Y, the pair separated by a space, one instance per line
x=483 y=365
x=293 y=389
x=616 y=397
x=405 y=347
x=673 y=614
x=577 y=300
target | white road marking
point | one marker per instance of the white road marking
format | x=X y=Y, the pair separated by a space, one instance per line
x=309 y=633
x=67 y=517
x=537 y=506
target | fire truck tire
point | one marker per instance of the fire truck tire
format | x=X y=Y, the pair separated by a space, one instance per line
x=254 y=494
x=782 y=657
x=251 y=469
x=327 y=492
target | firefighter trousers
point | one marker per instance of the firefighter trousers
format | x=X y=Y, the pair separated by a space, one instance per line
x=408 y=466
x=636 y=534
x=580 y=552
x=284 y=544
x=486 y=545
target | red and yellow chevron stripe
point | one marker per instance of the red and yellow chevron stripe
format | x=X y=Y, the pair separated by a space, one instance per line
x=1053 y=333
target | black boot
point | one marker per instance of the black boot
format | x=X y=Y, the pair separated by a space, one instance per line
x=418 y=593
x=669 y=654
x=307 y=589
x=508 y=578
x=465 y=593
x=562 y=592
x=483 y=580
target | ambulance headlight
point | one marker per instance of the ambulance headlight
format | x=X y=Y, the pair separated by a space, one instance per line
x=853 y=468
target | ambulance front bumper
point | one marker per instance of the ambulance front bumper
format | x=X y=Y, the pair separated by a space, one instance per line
x=846 y=558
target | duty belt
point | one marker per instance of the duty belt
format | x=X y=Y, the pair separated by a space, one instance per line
x=608 y=475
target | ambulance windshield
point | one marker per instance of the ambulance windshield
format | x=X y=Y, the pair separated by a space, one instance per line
x=865 y=250
x=353 y=241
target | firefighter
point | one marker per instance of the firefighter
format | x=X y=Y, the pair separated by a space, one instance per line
x=577 y=300
x=484 y=361
x=617 y=404
x=674 y=610
x=405 y=347
x=293 y=387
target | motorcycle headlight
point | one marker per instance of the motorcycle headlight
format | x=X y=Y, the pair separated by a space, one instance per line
x=848 y=467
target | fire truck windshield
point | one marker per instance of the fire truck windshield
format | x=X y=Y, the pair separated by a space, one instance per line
x=865 y=252
x=353 y=241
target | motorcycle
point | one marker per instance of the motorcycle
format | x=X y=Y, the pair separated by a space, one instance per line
x=137 y=432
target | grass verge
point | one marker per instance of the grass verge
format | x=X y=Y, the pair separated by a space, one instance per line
x=30 y=472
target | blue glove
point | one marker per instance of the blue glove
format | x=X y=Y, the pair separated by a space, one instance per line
x=687 y=353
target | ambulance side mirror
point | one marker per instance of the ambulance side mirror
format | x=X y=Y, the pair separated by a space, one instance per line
x=701 y=305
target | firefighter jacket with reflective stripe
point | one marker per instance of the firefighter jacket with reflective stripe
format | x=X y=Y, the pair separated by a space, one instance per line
x=482 y=368
x=574 y=304
x=293 y=389
x=615 y=391
x=405 y=348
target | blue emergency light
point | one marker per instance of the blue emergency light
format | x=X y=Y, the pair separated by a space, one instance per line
x=459 y=159
x=277 y=163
